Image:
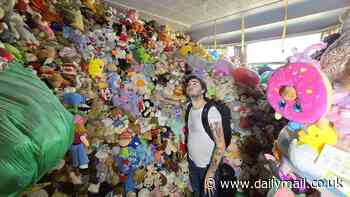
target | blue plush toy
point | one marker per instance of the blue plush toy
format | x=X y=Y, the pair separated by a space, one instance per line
x=72 y=98
x=294 y=126
x=129 y=184
x=215 y=55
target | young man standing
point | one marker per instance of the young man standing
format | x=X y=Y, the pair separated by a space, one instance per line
x=204 y=154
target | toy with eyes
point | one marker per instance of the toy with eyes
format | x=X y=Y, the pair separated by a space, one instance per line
x=106 y=94
x=146 y=108
x=299 y=92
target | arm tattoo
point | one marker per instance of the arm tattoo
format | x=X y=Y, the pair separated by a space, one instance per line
x=219 y=149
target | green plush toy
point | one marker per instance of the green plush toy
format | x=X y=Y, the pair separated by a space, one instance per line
x=14 y=51
x=142 y=56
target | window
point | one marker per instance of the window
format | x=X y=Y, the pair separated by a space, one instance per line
x=271 y=51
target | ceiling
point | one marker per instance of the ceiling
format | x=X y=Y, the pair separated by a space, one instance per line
x=263 y=18
x=183 y=14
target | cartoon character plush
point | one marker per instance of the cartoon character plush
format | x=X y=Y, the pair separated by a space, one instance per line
x=317 y=135
x=96 y=67
x=186 y=50
x=79 y=155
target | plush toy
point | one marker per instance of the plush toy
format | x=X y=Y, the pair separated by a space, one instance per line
x=223 y=68
x=144 y=192
x=79 y=155
x=139 y=83
x=5 y=31
x=245 y=77
x=318 y=135
x=73 y=99
x=146 y=108
x=295 y=89
x=20 y=29
x=47 y=55
x=90 y=4
x=339 y=116
x=44 y=26
x=215 y=55
x=183 y=175
x=232 y=156
x=186 y=49
x=133 y=15
x=304 y=57
x=142 y=56
x=128 y=101
x=96 y=67
x=5 y=55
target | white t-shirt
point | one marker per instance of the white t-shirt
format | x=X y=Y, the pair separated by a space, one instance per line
x=200 y=145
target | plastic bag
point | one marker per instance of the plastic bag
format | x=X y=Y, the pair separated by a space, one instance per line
x=35 y=129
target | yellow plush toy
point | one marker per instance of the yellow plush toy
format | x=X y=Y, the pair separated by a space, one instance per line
x=318 y=135
x=200 y=51
x=90 y=4
x=78 y=21
x=96 y=67
x=186 y=49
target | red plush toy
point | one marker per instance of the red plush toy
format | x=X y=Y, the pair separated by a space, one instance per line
x=246 y=77
x=5 y=56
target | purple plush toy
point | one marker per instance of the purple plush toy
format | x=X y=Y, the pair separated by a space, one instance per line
x=128 y=101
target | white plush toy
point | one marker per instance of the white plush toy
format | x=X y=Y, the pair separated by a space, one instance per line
x=144 y=193
x=20 y=29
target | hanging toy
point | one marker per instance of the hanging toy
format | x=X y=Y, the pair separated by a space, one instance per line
x=223 y=68
x=299 y=92
x=215 y=55
x=246 y=77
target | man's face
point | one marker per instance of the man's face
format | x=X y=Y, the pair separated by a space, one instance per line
x=194 y=88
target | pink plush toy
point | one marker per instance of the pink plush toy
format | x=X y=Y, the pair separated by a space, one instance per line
x=284 y=192
x=299 y=92
x=304 y=57
x=223 y=68
x=133 y=15
x=45 y=27
x=339 y=115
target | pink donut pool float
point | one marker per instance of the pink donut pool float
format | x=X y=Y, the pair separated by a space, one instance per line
x=308 y=98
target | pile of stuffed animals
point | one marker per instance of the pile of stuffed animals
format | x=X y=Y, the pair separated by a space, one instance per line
x=122 y=78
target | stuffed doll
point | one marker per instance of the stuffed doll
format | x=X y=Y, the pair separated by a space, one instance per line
x=79 y=155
